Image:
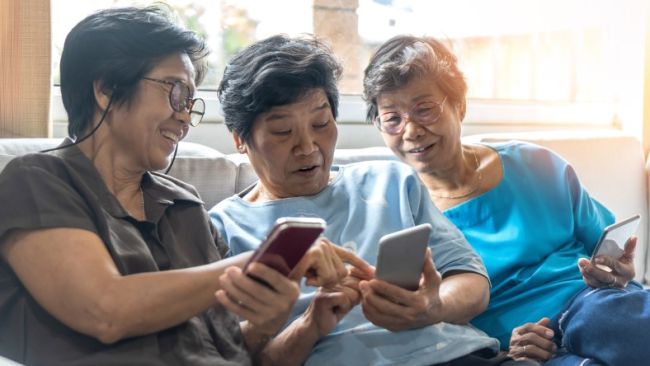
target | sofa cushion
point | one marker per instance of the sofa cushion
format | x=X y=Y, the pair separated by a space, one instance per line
x=208 y=170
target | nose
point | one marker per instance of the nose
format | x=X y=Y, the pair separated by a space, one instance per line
x=183 y=116
x=304 y=143
x=412 y=129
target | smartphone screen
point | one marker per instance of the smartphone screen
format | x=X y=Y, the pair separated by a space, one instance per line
x=612 y=241
x=401 y=256
x=287 y=243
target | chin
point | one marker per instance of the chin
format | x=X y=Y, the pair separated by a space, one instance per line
x=159 y=164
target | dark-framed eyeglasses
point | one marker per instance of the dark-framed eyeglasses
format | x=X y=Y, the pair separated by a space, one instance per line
x=180 y=99
x=424 y=113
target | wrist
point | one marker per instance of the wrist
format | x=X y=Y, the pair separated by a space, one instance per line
x=255 y=338
x=307 y=325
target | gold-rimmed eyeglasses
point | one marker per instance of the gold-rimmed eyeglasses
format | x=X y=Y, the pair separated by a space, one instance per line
x=180 y=99
x=424 y=113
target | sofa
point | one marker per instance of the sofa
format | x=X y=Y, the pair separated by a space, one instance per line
x=610 y=164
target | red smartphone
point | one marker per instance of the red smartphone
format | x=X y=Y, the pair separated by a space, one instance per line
x=287 y=243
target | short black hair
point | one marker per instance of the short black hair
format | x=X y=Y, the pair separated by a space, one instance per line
x=402 y=58
x=118 y=47
x=273 y=72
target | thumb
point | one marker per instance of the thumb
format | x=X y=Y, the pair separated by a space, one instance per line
x=544 y=322
x=430 y=276
x=630 y=246
x=300 y=269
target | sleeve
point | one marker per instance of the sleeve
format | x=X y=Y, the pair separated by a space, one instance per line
x=449 y=248
x=221 y=244
x=590 y=216
x=35 y=198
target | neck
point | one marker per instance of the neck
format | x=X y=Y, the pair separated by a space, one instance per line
x=461 y=179
x=116 y=170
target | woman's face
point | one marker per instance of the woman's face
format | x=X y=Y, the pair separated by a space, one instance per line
x=427 y=147
x=292 y=146
x=146 y=128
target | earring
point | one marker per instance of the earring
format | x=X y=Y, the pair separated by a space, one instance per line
x=241 y=149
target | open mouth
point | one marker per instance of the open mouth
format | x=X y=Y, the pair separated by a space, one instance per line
x=308 y=169
x=421 y=149
x=171 y=136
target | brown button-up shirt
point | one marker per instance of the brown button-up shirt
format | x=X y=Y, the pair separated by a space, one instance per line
x=63 y=189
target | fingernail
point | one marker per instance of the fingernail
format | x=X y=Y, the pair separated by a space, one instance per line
x=549 y=333
x=600 y=260
x=350 y=245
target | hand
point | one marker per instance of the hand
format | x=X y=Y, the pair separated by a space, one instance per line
x=349 y=287
x=622 y=270
x=328 y=308
x=532 y=341
x=395 y=308
x=266 y=307
x=324 y=264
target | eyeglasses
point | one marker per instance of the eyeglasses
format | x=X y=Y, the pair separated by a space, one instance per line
x=424 y=113
x=180 y=99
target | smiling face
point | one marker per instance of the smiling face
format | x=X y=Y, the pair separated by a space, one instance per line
x=426 y=147
x=145 y=130
x=292 y=146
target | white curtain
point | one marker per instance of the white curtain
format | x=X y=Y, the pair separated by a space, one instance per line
x=25 y=68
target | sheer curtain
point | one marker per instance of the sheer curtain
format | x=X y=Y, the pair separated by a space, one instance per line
x=25 y=68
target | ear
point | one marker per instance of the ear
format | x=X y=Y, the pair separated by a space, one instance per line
x=102 y=94
x=240 y=145
x=461 y=109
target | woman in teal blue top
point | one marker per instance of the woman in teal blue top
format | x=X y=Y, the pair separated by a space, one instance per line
x=520 y=206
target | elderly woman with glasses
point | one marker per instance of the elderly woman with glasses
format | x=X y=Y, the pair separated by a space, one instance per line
x=105 y=261
x=280 y=101
x=523 y=210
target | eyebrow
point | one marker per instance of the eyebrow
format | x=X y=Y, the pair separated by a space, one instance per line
x=280 y=115
x=417 y=99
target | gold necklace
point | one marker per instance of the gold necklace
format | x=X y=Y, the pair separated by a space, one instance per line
x=477 y=183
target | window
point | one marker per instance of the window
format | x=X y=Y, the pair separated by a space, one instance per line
x=577 y=62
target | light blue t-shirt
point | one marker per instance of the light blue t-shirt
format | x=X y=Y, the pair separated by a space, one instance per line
x=530 y=231
x=364 y=202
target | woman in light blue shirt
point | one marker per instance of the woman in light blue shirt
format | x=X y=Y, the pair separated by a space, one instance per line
x=520 y=206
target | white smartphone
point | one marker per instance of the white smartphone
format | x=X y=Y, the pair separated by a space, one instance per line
x=401 y=256
x=287 y=243
x=613 y=239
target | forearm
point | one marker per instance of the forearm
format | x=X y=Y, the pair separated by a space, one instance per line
x=293 y=345
x=464 y=295
x=73 y=277
x=149 y=302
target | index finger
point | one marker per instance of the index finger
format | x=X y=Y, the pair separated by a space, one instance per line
x=393 y=293
x=536 y=328
x=352 y=259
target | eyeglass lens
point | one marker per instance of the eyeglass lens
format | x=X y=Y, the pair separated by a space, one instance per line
x=423 y=113
x=180 y=100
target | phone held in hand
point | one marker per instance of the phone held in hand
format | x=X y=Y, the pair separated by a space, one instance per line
x=287 y=242
x=613 y=239
x=401 y=256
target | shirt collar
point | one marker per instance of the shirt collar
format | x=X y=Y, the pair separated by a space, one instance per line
x=159 y=188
